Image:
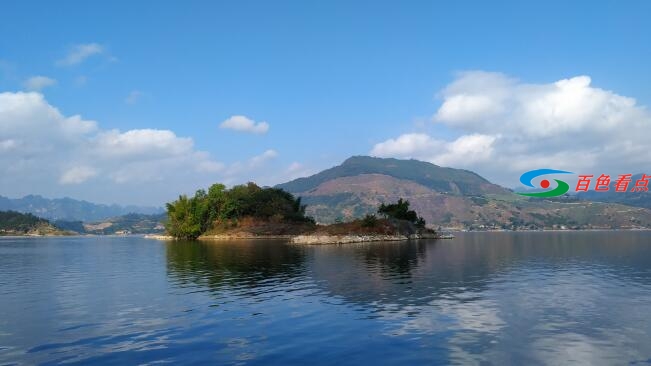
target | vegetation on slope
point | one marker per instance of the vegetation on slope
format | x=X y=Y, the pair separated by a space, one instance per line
x=252 y=210
x=221 y=208
x=401 y=211
x=337 y=195
x=440 y=179
x=396 y=219
x=16 y=223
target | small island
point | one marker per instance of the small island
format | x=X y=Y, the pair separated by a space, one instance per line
x=251 y=212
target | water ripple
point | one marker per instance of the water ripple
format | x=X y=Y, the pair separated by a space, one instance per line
x=556 y=298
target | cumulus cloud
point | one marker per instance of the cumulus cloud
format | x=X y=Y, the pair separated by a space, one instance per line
x=467 y=149
x=245 y=124
x=208 y=166
x=297 y=170
x=261 y=169
x=47 y=152
x=144 y=144
x=7 y=145
x=406 y=145
x=79 y=53
x=37 y=83
x=265 y=156
x=77 y=175
x=503 y=126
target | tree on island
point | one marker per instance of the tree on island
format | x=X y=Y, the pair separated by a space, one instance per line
x=400 y=211
x=189 y=217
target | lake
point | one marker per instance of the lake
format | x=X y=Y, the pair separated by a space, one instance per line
x=490 y=298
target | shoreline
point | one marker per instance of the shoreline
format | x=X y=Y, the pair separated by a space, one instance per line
x=316 y=238
x=311 y=239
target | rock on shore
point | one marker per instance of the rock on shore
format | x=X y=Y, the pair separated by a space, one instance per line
x=345 y=239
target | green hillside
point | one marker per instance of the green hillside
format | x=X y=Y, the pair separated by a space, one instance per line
x=16 y=223
x=444 y=180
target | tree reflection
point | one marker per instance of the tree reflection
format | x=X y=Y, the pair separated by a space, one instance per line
x=236 y=263
x=410 y=273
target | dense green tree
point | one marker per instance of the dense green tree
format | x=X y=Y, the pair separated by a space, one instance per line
x=190 y=217
x=19 y=222
x=369 y=220
x=184 y=218
x=400 y=210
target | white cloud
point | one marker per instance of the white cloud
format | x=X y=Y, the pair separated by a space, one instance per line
x=7 y=145
x=252 y=168
x=407 y=145
x=36 y=83
x=296 y=170
x=79 y=53
x=46 y=152
x=245 y=124
x=77 y=175
x=504 y=127
x=143 y=144
x=465 y=150
x=294 y=167
x=29 y=115
x=262 y=158
x=210 y=166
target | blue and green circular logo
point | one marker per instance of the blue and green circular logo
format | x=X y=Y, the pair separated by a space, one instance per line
x=561 y=188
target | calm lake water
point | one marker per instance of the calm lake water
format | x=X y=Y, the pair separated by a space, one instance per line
x=490 y=298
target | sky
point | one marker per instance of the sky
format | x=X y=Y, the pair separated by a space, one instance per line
x=136 y=102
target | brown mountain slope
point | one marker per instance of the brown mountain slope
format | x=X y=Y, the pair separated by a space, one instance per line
x=348 y=197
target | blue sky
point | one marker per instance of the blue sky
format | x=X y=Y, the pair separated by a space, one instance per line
x=331 y=79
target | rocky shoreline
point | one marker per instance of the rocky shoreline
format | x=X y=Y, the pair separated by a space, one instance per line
x=219 y=237
x=345 y=239
x=312 y=239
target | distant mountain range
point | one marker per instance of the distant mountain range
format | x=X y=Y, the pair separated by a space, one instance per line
x=69 y=209
x=447 y=197
x=125 y=224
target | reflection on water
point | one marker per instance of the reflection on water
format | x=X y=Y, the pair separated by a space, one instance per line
x=237 y=264
x=494 y=298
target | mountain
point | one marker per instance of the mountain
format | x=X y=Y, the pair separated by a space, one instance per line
x=447 y=197
x=70 y=209
x=443 y=180
x=16 y=223
x=125 y=224
x=637 y=199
